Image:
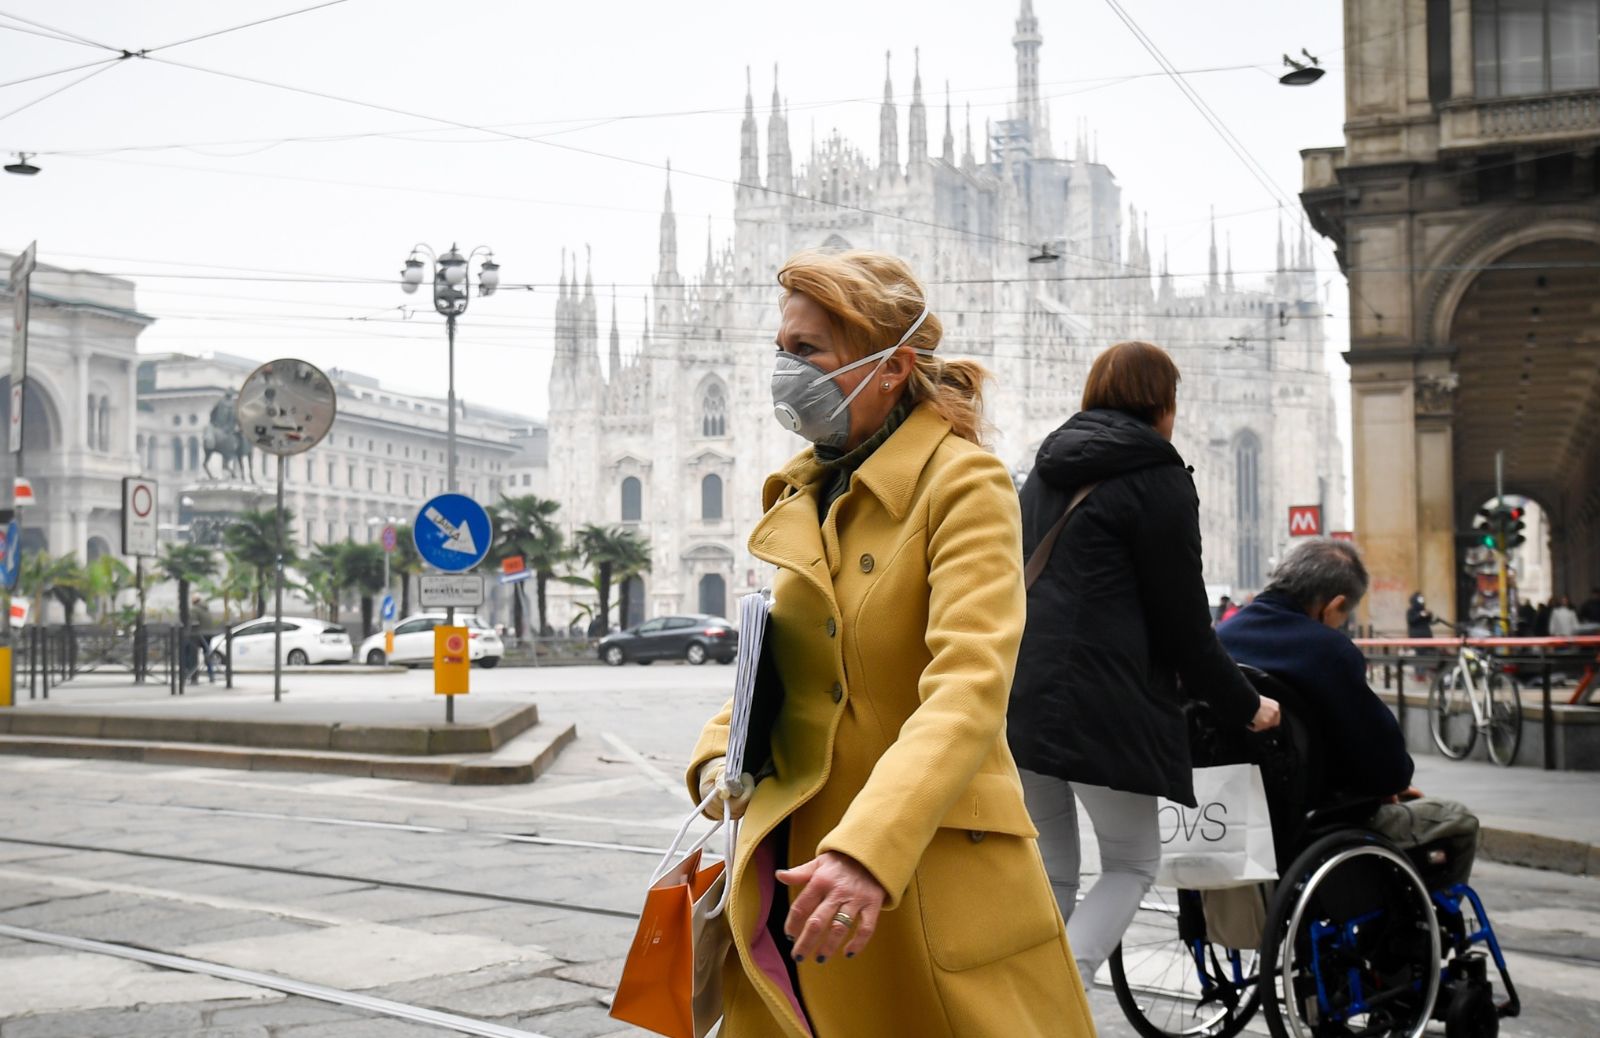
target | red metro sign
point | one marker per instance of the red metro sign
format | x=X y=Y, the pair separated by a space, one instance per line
x=1305 y=520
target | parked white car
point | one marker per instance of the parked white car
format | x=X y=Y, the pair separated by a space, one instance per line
x=304 y=641
x=413 y=641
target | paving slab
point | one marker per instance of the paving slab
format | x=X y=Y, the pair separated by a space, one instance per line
x=1542 y=819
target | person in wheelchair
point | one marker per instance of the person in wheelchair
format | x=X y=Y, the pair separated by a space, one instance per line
x=1294 y=632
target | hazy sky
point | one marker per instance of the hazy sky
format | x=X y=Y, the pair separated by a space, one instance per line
x=243 y=240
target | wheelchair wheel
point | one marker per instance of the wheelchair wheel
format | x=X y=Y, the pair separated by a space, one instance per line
x=1504 y=732
x=1351 y=944
x=1173 y=983
x=1450 y=717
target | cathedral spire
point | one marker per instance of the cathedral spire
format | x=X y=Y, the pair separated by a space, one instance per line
x=1132 y=258
x=888 y=128
x=588 y=271
x=1027 y=105
x=563 y=292
x=967 y=158
x=780 y=165
x=1166 y=294
x=918 y=135
x=749 y=154
x=669 y=230
x=711 y=262
x=1280 y=238
x=1227 y=283
x=1211 y=283
x=949 y=151
x=614 y=355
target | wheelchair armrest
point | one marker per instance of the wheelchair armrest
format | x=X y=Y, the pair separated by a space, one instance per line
x=1343 y=811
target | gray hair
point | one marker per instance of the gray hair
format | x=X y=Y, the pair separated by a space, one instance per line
x=1319 y=570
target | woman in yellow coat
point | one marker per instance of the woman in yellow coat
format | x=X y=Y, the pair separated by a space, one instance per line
x=887 y=881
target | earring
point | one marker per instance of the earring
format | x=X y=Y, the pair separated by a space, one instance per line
x=887 y=387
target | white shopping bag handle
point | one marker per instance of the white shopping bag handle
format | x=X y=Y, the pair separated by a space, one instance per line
x=677 y=851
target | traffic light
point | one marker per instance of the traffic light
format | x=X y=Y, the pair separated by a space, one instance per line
x=1486 y=528
x=1514 y=526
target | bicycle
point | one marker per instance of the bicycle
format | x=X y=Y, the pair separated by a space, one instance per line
x=1473 y=696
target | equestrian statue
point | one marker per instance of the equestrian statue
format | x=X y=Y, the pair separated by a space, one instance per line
x=223 y=437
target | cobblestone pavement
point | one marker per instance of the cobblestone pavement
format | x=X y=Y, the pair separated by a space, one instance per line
x=525 y=964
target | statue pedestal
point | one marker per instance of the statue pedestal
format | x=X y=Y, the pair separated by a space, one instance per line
x=209 y=507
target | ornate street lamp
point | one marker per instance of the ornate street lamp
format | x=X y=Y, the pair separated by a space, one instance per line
x=452 y=290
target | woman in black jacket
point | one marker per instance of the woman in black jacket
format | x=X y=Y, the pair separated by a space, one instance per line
x=1118 y=615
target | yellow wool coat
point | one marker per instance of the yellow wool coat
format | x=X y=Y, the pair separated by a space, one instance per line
x=895 y=629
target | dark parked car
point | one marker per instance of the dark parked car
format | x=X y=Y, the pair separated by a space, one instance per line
x=693 y=638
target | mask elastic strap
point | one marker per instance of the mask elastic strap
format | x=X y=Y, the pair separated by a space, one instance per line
x=882 y=357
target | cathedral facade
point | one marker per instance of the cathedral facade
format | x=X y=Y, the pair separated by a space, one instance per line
x=1033 y=263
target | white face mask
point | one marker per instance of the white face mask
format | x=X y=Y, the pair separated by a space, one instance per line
x=806 y=400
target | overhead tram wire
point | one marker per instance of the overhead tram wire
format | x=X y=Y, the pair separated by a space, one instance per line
x=246 y=25
x=102 y=67
x=61 y=34
x=627 y=160
x=1215 y=121
x=57 y=72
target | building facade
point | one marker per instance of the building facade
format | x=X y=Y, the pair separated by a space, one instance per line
x=672 y=434
x=384 y=456
x=1465 y=209
x=78 y=410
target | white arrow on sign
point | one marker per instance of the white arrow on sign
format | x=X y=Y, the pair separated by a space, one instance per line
x=457 y=538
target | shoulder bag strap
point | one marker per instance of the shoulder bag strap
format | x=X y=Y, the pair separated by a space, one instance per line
x=1041 y=553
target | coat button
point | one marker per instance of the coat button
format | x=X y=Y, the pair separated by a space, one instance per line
x=837 y=692
x=976 y=835
x=833 y=628
x=866 y=563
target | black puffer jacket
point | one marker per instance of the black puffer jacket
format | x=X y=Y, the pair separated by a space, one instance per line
x=1118 y=615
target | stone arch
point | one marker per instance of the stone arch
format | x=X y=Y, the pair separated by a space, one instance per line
x=712 y=396
x=41 y=412
x=835 y=243
x=1483 y=243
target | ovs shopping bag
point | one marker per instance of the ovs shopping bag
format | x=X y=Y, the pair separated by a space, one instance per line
x=1226 y=841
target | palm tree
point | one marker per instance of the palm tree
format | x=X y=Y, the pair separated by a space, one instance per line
x=615 y=554
x=253 y=540
x=324 y=577
x=230 y=585
x=404 y=562
x=632 y=558
x=526 y=526
x=361 y=567
x=42 y=574
x=187 y=564
x=104 y=579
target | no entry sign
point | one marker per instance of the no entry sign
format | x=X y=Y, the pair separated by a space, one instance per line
x=138 y=516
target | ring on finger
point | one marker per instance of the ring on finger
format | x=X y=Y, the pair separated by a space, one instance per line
x=843 y=919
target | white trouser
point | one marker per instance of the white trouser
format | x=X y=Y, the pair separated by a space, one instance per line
x=1130 y=851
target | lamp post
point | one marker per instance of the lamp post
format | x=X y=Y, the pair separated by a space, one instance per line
x=452 y=290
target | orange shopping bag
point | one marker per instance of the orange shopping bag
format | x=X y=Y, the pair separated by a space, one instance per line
x=672 y=979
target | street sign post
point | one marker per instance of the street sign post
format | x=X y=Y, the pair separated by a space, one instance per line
x=21 y=273
x=514 y=569
x=451 y=590
x=138 y=516
x=10 y=536
x=284 y=408
x=387 y=609
x=452 y=533
x=390 y=539
x=1305 y=520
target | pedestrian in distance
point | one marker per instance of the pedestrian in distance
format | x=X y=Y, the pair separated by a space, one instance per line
x=887 y=879
x=1419 y=624
x=1589 y=612
x=1118 y=615
x=1563 y=618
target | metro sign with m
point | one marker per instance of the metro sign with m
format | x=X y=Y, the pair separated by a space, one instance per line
x=1305 y=520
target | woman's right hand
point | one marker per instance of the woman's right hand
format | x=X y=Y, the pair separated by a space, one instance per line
x=1267 y=715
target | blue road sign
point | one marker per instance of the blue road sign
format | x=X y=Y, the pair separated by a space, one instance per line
x=453 y=533
x=387 y=610
x=10 y=539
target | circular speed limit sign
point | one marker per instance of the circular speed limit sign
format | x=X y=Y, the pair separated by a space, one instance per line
x=142 y=500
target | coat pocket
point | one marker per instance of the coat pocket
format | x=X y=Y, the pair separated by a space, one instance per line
x=983 y=896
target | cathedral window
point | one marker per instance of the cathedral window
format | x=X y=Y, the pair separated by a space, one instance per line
x=711 y=497
x=92 y=415
x=714 y=411
x=177 y=454
x=632 y=500
x=1247 y=509
x=103 y=423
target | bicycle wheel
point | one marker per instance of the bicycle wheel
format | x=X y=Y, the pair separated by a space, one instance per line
x=1171 y=982
x=1450 y=718
x=1504 y=732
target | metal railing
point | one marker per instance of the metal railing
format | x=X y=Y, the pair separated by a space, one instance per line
x=1530 y=656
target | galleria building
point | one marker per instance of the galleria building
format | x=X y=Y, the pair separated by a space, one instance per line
x=673 y=434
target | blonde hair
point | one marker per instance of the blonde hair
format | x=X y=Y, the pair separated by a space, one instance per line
x=871 y=298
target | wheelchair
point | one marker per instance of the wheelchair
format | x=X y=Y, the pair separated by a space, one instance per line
x=1358 y=938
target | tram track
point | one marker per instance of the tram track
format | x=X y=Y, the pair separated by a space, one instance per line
x=272 y=982
x=285 y=870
